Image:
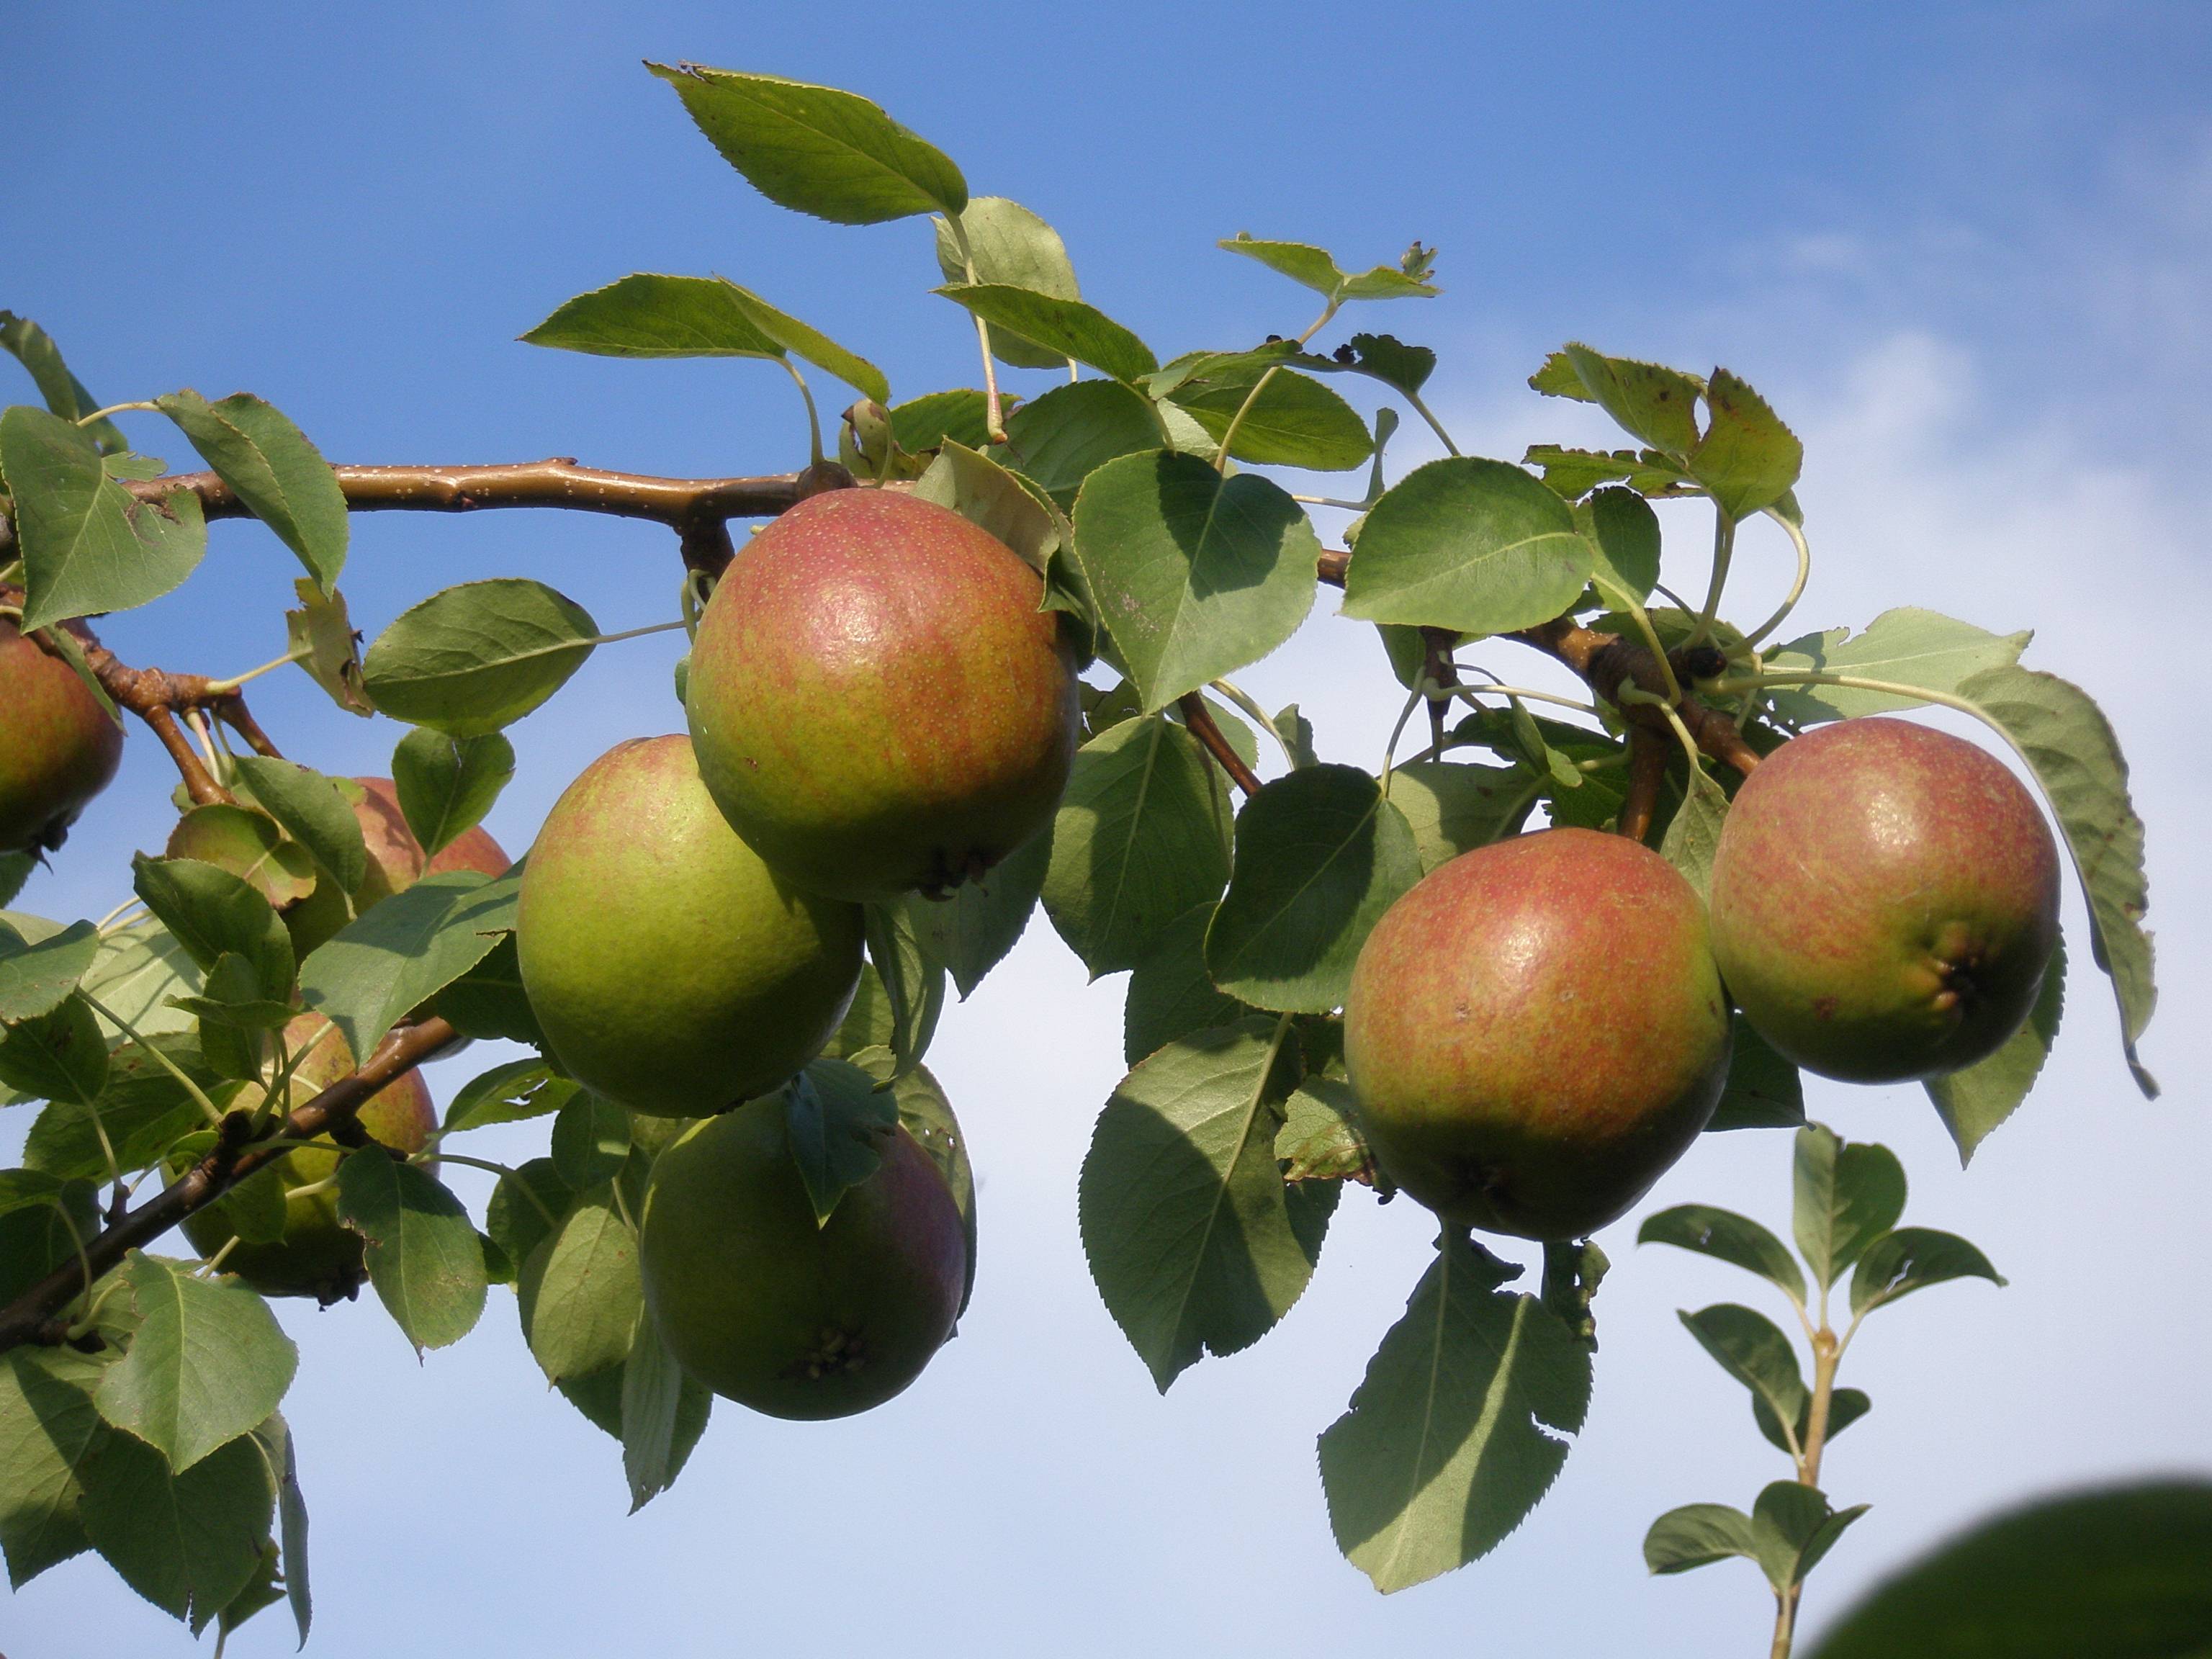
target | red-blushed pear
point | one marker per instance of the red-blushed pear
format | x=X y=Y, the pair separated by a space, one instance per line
x=317 y=1255
x=1884 y=900
x=771 y=1310
x=1537 y=1031
x=58 y=746
x=879 y=705
x=669 y=967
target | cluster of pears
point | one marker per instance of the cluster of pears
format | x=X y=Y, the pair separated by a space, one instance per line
x=1540 y=1027
x=877 y=706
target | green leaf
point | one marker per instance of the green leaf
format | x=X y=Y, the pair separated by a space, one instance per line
x=63 y=393
x=1657 y=405
x=1072 y=431
x=803 y=341
x=1193 y=1241
x=142 y=1109
x=1319 y=856
x=1847 y=1196
x=836 y=1118
x=1171 y=993
x=1763 y=1090
x=653 y=1386
x=1750 y=1347
x=479 y=656
x=312 y=812
x=401 y=952
x=600 y=1398
x=58 y=1056
x=648 y=315
x=1194 y=575
x=816 y=150
x=590 y=1140
x=1911 y=1258
x=49 y=1427
x=249 y=844
x=16 y=869
x=447 y=784
x=188 y=1541
x=580 y=1292
x=37 y=978
x=1458 y=1427
x=526 y=1209
x=1729 y=1237
x=512 y=1093
x=210 y=911
x=292 y=1521
x=208 y=1362
x=25 y=1189
x=1320 y=1139
x=1453 y=809
x=1317 y=268
x=1391 y=361
x=1573 y=473
x=1747 y=459
x=1792 y=1527
x=971 y=930
x=2118 y=1573
x=1294 y=421
x=274 y=469
x=1474 y=545
x=1141 y=838
x=1069 y=328
x=488 y=1001
x=36 y=1240
x=320 y=639
x=912 y=981
x=1694 y=832
x=1011 y=247
x=2070 y=745
x=423 y=1256
x=1697 y=1535
x=88 y=544
x=140 y=967
x=972 y=484
x=1973 y=1102
x=921 y=424
x=1625 y=533
x=1845 y=1408
x=1905 y=646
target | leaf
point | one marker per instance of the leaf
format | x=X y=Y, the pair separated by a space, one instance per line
x=1474 y=545
x=1317 y=268
x=37 y=978
x=88 y=544
x=1320 y=1139
x=1847 y=1196
x=1727 y=1237
x=1072 y=431
x=1292 y=421
x=16 y=869
x=1140 y=839
x=984 y=493
x=1763 y=1090
x=1171 y=993
x=312 y=812
x=526 y=1209
x=140 y=967
x=488 y=1001
x=208 y=1362
x=1192 y=576
x=33 y=1241
x=1905 y=646
x=249 y=844
x=274 y=469
x=292 y=1521
x=320 y=637
x=1319 y=856
x=63 y=393
x=1625 y=533
x=652 y=1389
x=803 y=341
x=1068 y=327
x=1911 y=1258
x=836 y=1118
x=1011 y=247
x=1453 y=809
x=210 y=911
x=476 y=657
x=1694 y=832
x=1191 y=1236
x=2117 y=1573
x=142 y=1109
x=580 y=1293
x=512 y=1093
x=1747 y=459
x=1973 y=1102
x=1458 y=1427
x=1845 y=1408
x=590 y=1140
x=25 y=1189
x=921 y=424
x=49 y=1427
x=1655 y=404
x=187 y=1541
x=1390 y=360
x=912 y=981
x=423 y=1257
x=447 y=784
x=816 y=150
x=404 y=950
x=2070 y=745
x=1750 y=1347
x=645 y=314
x=1697 y=1535
x=58 y=1056
x=971 y=930
x=1792 y=1527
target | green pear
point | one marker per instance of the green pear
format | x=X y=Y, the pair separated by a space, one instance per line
x=1537 y=1031
x=58 y=746
x=769 y=1309
x=1884 y=900
x=317 y=1255
x=878 y=702
x=669 y=967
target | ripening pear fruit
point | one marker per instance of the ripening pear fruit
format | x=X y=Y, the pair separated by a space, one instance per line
x=395 y=862
x=1537 y=1031
x=878 y=704
x=317 y=1255
x=58 y=746
x=1884 y=900
x=669 y=967
x=771 y=1310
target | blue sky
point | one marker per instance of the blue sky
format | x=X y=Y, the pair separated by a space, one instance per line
x=1965 y=249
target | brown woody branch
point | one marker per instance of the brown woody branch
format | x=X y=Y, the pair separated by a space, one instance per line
x=1203 y=726
x=36 y=1314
